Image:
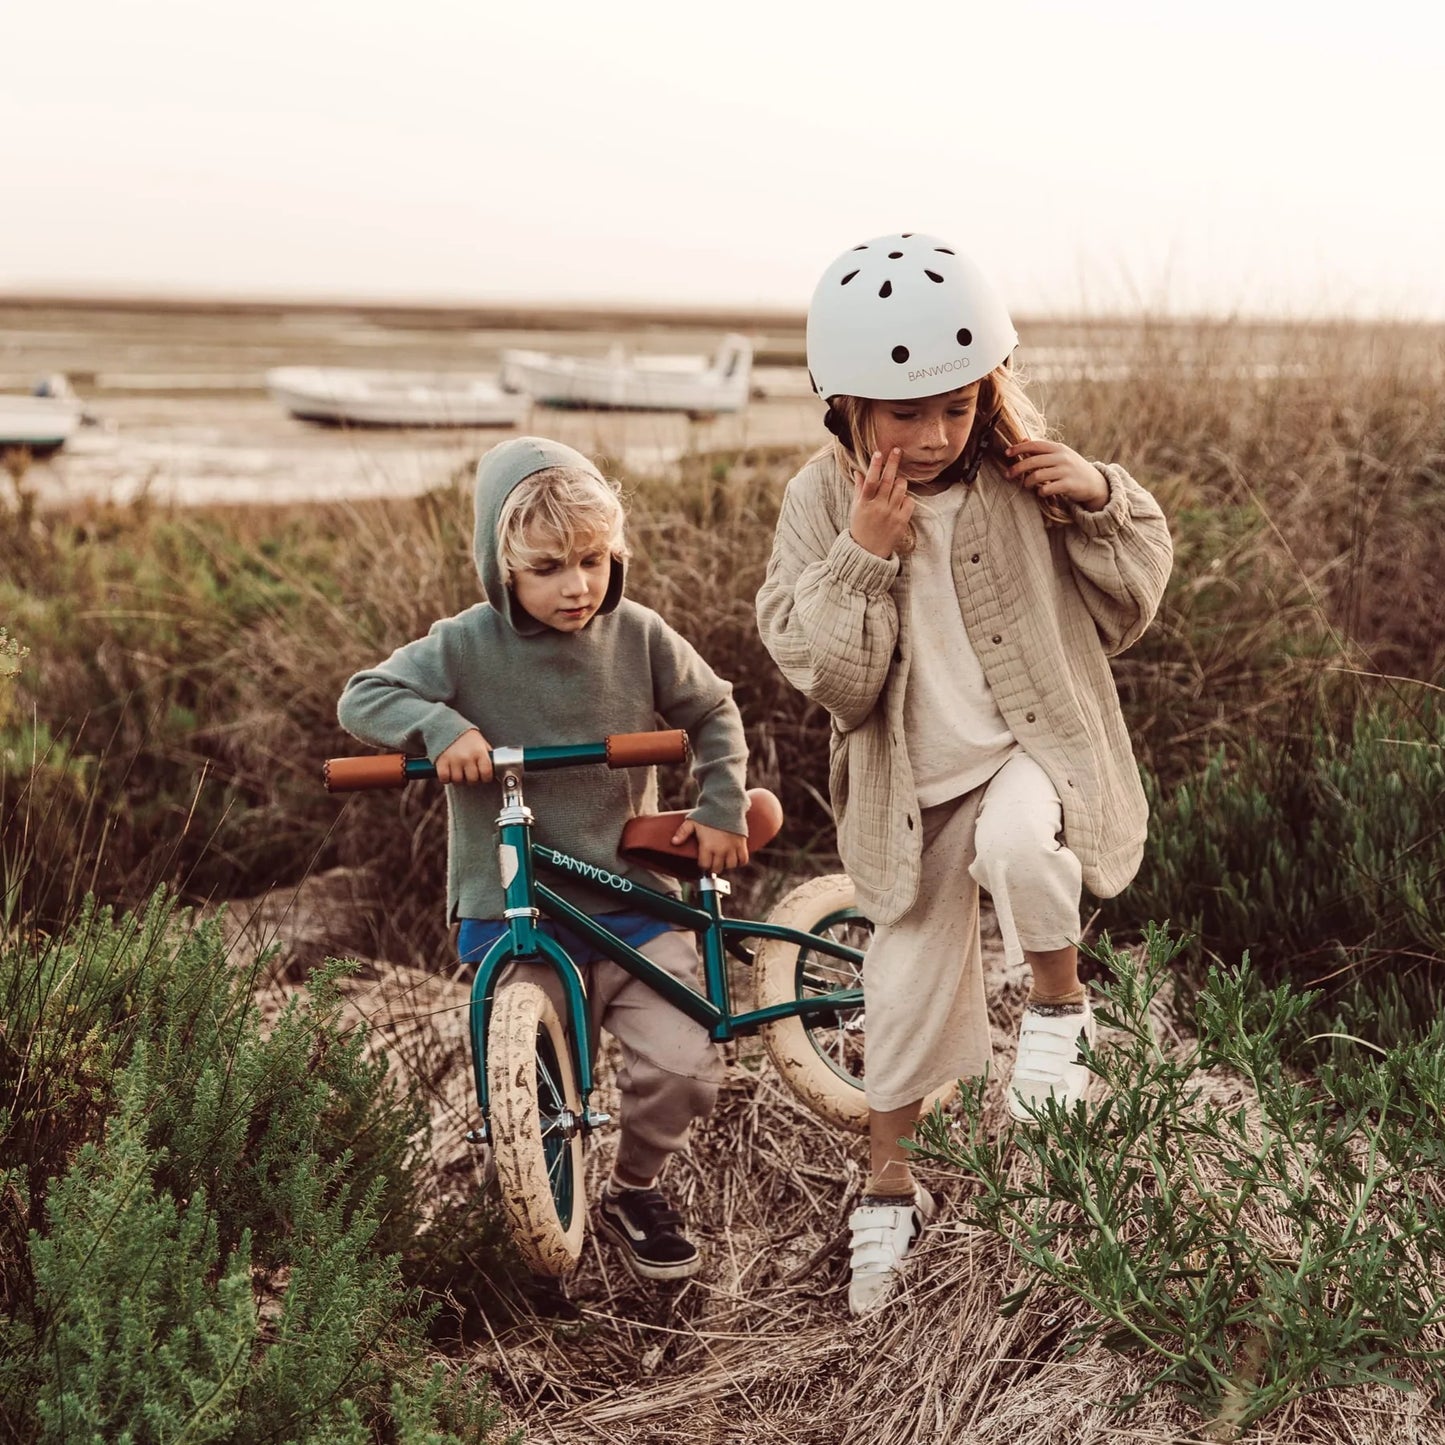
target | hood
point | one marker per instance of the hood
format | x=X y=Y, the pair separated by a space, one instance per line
x=504 y=467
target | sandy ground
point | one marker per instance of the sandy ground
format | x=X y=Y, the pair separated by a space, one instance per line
x=183 y=416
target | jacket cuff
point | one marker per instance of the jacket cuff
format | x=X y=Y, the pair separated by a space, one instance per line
x=439 y=733
x=1114 y=514
x=730 y=817
x=860 y=569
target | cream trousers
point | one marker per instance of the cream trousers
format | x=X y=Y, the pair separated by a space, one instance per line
x=927 y=1018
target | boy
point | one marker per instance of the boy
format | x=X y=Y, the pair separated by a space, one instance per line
x=557 y=655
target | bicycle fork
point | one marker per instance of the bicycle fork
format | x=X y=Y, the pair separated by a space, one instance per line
x=524 y=940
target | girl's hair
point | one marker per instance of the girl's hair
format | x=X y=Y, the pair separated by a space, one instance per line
x=1000 y=393
x=553 y=513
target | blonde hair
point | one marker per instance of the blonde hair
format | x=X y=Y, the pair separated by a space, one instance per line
x=1000 y=393
x=553 y=513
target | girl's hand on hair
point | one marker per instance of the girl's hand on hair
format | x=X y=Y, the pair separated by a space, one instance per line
x=468 y=760
x=882 y=506
x=1050 y=469
x=717 y=850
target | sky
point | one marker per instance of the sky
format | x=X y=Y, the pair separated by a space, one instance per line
x=1265 y=158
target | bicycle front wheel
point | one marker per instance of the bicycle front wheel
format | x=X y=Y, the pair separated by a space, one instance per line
x=536 y=1127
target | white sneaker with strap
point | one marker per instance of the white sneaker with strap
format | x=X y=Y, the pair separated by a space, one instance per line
x=882 y=1235
x=1049 y=1065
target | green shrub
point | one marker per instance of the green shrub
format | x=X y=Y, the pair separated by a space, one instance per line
x=201 y=1221
x=1250 y=1234
x=1321 y=855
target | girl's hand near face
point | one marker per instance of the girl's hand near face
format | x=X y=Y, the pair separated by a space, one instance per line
x=1050 y=469
x=468 y=760
x=882 y=506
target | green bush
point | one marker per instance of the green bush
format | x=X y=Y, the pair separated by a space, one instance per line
x=201 y=1221
x=1320 y=855
x=1250 y=1234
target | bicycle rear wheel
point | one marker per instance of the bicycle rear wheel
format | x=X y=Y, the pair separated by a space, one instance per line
x=536 y=1127
x=821 y=1059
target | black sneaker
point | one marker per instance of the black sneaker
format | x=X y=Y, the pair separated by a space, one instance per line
x=648 y=1230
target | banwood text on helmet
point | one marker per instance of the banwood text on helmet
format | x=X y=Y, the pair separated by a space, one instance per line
x=904 y=316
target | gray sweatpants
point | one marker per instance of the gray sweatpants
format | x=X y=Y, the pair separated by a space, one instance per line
x=923 y=976
x=670 y=1068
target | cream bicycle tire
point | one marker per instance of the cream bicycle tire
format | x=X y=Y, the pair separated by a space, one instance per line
x=531 y=1081
x=822 y=1063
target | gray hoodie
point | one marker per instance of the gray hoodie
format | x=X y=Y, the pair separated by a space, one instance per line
x=524 y=684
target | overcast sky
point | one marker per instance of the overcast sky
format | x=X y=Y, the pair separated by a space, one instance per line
x=1271 y=156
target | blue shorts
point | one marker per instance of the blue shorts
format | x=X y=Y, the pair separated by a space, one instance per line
x=479 y=934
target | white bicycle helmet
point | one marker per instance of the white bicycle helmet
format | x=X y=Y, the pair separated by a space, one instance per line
x=904 y=316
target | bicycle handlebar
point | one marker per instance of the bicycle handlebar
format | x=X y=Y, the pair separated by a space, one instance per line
x=618 y=750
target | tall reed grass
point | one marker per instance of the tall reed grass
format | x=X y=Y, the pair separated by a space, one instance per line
x=191 y=661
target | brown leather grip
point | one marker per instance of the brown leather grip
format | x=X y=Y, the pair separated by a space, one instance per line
x=356 y=775
x=636 y=750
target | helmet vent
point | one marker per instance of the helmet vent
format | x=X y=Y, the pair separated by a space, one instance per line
x=907 y=234
x=965 y=336
x=847 y=278
x=895 y=255
x=900 y=354
x=943 y=249
x=932 y=275
x=886 y=289
x=860 y=248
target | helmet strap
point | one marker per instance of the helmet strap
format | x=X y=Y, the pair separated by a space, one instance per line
x=966 y=468
x=980 y=445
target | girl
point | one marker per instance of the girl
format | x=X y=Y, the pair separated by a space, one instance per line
x=949 y=585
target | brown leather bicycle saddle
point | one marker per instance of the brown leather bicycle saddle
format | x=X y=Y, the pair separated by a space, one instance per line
x=648 y=839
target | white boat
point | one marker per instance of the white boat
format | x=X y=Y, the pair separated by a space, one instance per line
x=695 y=384
x=43 y=421
x=344 y=395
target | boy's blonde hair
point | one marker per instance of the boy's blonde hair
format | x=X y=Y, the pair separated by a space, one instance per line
x=1000 y=393
x=553 y=513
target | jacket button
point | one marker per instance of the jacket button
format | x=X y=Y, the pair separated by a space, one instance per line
x=1028 y=717
x=1069 y=781
x=998 y=637
x=974 y=558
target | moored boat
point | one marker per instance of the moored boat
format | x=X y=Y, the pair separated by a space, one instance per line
x=42 y=421
x=342 y=395
x=695 y=384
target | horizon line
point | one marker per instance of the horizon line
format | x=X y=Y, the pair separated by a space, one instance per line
x=598 y=310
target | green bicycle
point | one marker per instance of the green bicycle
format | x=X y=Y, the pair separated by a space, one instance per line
x=533 y=1069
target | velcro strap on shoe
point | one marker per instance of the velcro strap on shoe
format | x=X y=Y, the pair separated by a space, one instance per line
x=882 y=1234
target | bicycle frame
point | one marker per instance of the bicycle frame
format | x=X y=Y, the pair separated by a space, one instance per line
x=527 y=900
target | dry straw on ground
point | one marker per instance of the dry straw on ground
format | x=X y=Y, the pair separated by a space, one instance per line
x=760 y=1347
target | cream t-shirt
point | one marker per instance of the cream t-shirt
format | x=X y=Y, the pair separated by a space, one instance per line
x=957 y=739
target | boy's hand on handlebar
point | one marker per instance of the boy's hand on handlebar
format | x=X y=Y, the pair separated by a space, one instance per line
x=882 y=506
x=717 y=851
x=468 y=760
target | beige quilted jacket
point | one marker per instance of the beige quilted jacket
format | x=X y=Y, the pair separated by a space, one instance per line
x=1044 y=609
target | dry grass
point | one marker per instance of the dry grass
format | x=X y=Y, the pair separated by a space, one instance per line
x=760 y=1347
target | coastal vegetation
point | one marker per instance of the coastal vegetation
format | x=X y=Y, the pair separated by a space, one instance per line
x=211 y=1221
